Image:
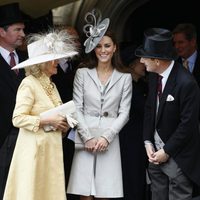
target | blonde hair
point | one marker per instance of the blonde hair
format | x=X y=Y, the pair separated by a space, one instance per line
x=36 y=70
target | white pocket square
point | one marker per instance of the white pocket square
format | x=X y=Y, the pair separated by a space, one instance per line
x=170 y=98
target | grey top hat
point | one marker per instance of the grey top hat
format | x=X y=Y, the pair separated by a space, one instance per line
x=10 y=14
x=157 y=44
x=94 y=29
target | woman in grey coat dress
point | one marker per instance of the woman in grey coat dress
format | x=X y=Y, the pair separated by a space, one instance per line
x=102 y=94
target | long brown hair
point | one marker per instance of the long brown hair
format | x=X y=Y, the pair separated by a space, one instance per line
x=91 y=60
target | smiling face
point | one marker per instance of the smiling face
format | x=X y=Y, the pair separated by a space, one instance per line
x=185 y=48
x=155 y=65
x=105 y=49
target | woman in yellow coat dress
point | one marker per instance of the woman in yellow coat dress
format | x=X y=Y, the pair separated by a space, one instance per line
x=36 y=171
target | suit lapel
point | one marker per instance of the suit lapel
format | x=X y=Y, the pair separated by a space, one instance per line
x=22 y=56
x=196 y=70
x=9 y=76
x=153 y=91
x=170 y=84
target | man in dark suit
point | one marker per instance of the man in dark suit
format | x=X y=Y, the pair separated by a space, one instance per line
x=131 y=140
x=11 y=37
x=171 y=132
x=185 y=42
x=64 y=82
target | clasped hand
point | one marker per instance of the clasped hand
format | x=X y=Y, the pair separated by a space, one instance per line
x=59 y=122
x=96 y=144
x=156 y=157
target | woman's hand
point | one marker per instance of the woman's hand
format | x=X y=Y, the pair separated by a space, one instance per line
x=90 y=145
x=58 y=122
x=101 y=144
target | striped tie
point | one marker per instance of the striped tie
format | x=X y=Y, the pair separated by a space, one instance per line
x=159 y=86
x=12 y=62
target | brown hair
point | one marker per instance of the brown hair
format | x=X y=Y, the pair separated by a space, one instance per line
x=188 y=29
x=91 y=59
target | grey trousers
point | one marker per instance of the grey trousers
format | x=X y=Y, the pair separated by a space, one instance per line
x=168 y=182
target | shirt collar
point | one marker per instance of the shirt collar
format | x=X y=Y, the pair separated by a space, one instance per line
x=6 y=54
x=192 y=58
x=166 y=73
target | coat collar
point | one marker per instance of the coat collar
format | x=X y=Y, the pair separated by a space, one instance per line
x=114 y=77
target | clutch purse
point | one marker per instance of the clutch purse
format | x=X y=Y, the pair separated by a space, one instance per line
x=67 y=109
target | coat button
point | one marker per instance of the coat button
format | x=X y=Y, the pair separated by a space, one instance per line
x=105 y=114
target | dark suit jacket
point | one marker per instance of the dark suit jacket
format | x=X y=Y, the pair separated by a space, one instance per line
x=196 y=71
x=9 y=83
x=64 y=84
x=177 y=120
x=64 y=80
x=132 y=146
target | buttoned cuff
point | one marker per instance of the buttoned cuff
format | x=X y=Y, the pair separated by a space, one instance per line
x=85 y=135
x=36 y=124
x=109 y=134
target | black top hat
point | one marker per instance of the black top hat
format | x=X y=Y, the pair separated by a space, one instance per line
x=157 y=44
x=10 y=14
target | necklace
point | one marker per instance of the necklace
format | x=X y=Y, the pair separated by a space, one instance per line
x=49 y=89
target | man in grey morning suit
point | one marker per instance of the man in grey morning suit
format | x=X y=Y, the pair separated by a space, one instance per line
x=171 y=132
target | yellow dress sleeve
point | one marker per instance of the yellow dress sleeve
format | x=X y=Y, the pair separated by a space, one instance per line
x=22 y=117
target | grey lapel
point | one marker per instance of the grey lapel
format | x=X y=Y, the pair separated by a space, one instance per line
x=114 y=77
x=93 y=74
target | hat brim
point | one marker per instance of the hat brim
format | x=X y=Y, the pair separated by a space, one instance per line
x=140 y=52
x=43 y=58
x=93 y=41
